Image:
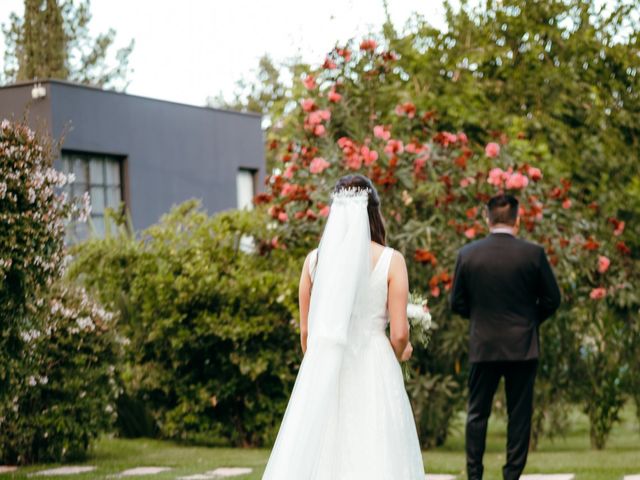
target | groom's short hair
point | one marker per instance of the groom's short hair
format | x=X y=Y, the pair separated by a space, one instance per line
x=502 y=208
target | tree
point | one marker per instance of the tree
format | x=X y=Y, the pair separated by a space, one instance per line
x=360 y=112
x=52 y=40
x=562 y=74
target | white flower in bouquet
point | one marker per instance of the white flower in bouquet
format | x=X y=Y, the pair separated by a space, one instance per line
x=419 y=320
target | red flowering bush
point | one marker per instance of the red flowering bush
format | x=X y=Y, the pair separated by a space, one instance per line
x=359 y=112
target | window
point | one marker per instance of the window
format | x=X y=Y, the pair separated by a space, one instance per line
x=245 y=188
x=101 y=177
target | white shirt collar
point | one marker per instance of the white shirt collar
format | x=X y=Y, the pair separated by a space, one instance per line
x=507 y=230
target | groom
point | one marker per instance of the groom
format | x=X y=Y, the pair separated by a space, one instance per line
x=505 y=285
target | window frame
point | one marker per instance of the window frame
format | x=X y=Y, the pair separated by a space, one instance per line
x=68 y=160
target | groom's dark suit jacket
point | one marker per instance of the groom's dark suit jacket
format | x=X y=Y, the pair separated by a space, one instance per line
x=505 y=285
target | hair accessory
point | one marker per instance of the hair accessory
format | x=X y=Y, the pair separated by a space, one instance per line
x=357 y=194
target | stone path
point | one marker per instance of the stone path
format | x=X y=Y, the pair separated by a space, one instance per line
x=552 y=476
x=227 y=472
x=71 y=470
x=218 y=473
x=139 y=471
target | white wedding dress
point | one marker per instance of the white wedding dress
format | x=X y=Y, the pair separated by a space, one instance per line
x=364 y=427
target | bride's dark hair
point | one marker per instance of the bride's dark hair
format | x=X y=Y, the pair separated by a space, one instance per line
x=376 y=224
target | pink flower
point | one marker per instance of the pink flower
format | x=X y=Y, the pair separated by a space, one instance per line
x=465 y=182
x=318 y=165
x=314 y=118
x=603 y=264
x=470 y=233
x=517 y=181
x=329 y=64
x=368 y=44
x=598 y=293
x=393 y=147
x=407 y=108
x=334 y=96
x=310 y=82
x=369 y=156
x=344 y=53
x=534 y=173
x=308 y=104
x=345 y=142
x=462 y=138
x=287 y=189
x=496 y=177
x=319 y=131
x=419 y=164
x=354 y=161
x=619 y=230
x=324 y=211
x=283 y=217
x=325 y=115
x=380 y=132
x=449 y=138
x=288 y=173
x=415 y=148
x=435 y=291
x=492 y=150
x=566 y=204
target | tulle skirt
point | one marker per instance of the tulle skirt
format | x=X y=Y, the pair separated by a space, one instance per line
x=349 y=418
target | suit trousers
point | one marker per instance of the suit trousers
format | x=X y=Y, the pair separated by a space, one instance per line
x=519 y=377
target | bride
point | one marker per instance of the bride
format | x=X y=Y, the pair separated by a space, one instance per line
x=349 y=416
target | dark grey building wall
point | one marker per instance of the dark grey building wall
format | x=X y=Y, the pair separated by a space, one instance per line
x=173 y=152
x=16 y=104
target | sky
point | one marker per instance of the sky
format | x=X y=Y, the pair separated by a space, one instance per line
x=188 y=50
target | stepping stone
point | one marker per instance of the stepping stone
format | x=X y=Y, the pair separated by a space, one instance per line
x=139 y=471
x=7 y=468
x=73 y=470
x=632 y=477
x=440 y=476
x=552 y=476
x=218 y=473
x=230 y=472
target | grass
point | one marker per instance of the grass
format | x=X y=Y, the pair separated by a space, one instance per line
x=571 y=454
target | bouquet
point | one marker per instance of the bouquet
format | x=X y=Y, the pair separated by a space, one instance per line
x=419 y=318
x=420 y=324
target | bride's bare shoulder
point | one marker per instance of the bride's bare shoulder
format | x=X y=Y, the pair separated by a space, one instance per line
x=310 y=260
x=311 y=255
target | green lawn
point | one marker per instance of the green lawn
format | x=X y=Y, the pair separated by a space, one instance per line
x=571 y=454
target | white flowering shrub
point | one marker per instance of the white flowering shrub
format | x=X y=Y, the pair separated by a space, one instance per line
x=67 y=390
x=33 y=212
x=56 y=345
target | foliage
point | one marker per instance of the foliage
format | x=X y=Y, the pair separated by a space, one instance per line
x=212 y=348
x=357 y=113
x=66 y=391
x=52 y=40
x=32 y=218
x=55 y=345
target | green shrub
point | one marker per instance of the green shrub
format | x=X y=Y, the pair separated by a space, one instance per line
x=56 y=346
x=213 y=345
x=66 y=391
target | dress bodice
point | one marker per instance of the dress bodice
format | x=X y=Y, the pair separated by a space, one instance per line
x=372 y=314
